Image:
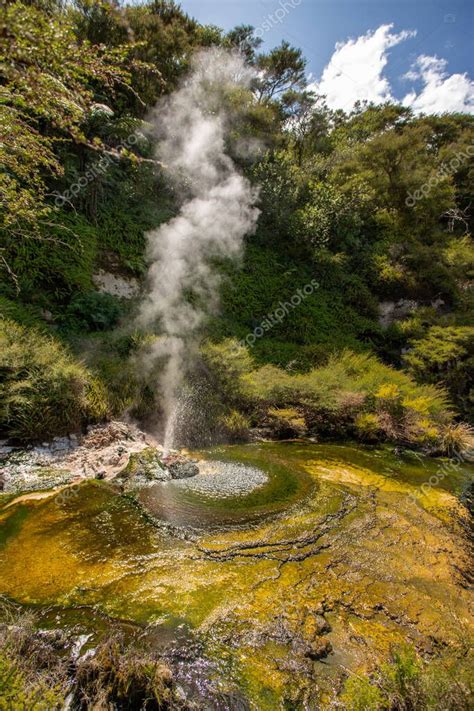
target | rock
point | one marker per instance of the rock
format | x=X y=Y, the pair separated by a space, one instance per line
x=100 y=475
x=145 y=467
x=183 y=469
x=391 y=311
x=47 y=315
x=322 y=624
x=319 y=649
x=116 y=284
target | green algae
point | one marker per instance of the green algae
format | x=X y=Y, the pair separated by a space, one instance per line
x=337 y=532
x=11 y=522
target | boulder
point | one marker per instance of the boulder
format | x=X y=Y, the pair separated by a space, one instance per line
x=182 y=468
x=319 y=649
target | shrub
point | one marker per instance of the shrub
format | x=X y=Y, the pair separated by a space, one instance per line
x=458 y=438
x=234 y=426
x=353 y=393
x=44 y=391
x=117 y=676
x=287 y=422
x=33 y=676
x=368 y=426
x=92 y=311
x=446 y=355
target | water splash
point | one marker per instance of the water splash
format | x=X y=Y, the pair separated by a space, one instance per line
x=217 y=212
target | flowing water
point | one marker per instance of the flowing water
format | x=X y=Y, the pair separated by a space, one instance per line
x=316 y=560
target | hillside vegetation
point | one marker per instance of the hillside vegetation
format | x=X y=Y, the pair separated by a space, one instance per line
x=372 y=207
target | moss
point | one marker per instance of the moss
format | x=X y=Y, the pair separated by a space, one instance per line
x=380 y=570
x=145 y=463
x=11 y=523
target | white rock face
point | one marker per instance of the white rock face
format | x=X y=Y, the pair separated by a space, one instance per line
x=116 y=285
x=101 y=453
x=391 y=311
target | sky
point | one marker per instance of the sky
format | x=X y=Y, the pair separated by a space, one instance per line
x=417 y=52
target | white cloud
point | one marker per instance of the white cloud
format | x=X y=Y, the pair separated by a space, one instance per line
x=441 y=92
x=354 y=72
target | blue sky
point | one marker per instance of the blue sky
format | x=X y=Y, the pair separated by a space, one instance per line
x=437 y=56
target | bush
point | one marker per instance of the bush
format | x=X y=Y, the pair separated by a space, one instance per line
x=92 y=311
x=458 y=438
x=117 y=676
x=353 y=394
x=44 y=391
x=234 y=426
x=287 y=422
x=446 y=355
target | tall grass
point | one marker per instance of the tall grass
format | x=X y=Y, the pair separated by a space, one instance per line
x=44 y=391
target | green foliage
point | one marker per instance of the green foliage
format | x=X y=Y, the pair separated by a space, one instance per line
x=459 y=256
x=18 y=692
x=33 y=677
x=281 y=70
x=44 y=391
x=60 y=261
x=446 y=355
x=352 y=394
x=406 y=683
x=23 y=314
x=43 y=67
x=234 y=426
x=402 y=678
x=360 y=695
x=92 y=311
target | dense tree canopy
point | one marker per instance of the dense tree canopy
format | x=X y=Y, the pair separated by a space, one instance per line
x=376 y=204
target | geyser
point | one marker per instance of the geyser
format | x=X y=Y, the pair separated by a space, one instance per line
x=217 y=211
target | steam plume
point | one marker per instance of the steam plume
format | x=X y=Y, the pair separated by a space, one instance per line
x=217 y=212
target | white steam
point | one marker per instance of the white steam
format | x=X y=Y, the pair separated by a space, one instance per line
x=217 y=213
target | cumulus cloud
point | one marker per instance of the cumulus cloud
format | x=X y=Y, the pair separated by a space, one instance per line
x=355 y=72
x=441 y=92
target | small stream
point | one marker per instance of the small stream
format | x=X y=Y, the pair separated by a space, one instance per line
x=279 y=566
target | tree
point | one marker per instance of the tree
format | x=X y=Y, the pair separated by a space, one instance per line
x=280 y=70
x=50 y=83
x=242 y=37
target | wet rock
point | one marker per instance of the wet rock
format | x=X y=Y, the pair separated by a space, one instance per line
x=145 y=467
x=319 y=649
x=183 y=469
x=322 y=625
